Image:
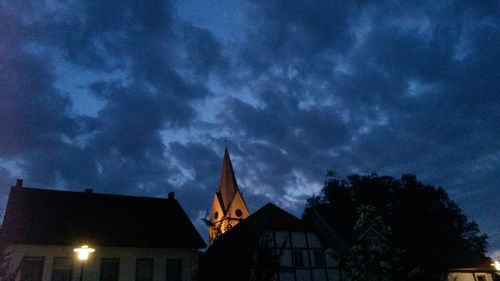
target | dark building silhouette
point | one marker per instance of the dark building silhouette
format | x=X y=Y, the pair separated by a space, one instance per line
x=270 y=244
x=152 y=237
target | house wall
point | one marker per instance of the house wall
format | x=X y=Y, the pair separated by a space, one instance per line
x=470 y=276
x=127 y=260
x=291 y=244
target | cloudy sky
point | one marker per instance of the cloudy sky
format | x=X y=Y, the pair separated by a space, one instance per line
x=138 y=97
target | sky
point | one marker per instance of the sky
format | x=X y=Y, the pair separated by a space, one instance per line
x=140 y=98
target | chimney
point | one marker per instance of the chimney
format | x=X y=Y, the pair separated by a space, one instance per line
x=88 y=190
x=19 y=183
x=171 y=195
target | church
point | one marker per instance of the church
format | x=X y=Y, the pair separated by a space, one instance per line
x=270 y=244
x=228 y=206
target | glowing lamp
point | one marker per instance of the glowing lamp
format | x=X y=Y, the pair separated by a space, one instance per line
x=496 y=265
x=83 y=252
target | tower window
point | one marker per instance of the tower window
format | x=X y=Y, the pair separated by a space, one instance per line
x=238 y=213
x=216 y=215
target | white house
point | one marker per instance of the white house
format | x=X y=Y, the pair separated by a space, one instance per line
x=135 y=238
x=472 y=274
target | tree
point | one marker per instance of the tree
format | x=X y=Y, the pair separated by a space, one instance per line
x=425 y=231
x=8 y=272
x=371 y=257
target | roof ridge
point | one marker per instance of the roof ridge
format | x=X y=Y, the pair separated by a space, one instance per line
x=75 y=192
x=34 y=216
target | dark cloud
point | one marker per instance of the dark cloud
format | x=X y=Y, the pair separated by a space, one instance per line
x=352 y=86
x=394 y=89
x=31 y=110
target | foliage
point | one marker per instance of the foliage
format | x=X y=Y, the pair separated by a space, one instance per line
x=371 y=257
x=7 y=272
x=425 y=231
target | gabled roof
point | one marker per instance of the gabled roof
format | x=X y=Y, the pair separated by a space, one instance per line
x=248 y=231
x=329 y=235
x=231 y=254
x=51 y=217
x=227 y=184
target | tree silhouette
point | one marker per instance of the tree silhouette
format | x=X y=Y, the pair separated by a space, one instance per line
x=8 y=271
x=428 y=231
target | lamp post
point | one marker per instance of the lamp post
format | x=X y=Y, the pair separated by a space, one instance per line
x=83 y=254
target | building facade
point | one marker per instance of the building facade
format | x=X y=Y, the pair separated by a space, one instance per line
x=479 y=273
x=135 y=238
x=270 y=244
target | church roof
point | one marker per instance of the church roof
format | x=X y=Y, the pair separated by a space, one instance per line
x=227 y=185
x=53 y=217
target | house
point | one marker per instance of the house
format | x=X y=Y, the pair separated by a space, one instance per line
x=271 y=243
x=477 y=273
x=135 y=238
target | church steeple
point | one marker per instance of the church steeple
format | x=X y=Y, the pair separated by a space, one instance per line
x=227 y=184
x=228 y=206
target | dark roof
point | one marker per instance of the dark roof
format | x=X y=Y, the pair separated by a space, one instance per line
x=329 y=234
x=269 y=217
x=52 y=217
x=231 y=254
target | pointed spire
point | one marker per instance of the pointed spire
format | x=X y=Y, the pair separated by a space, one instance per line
x=227 y=185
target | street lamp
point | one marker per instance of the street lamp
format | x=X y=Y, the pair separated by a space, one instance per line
x=496 y=265
x=83 y=254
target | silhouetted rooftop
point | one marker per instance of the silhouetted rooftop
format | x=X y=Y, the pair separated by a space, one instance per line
x=269 y=217
x=231 y=254
x=52 y=217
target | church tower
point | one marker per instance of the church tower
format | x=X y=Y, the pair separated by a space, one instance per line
x=228 y=206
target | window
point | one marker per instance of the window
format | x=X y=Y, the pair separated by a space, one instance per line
x=319 y=260
x=481 y=277
x=144 y=270
x=32 y=269
x=238 y=213
x=109 y=269
x=298 y=259
x=174 y=270
x=62 y=269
